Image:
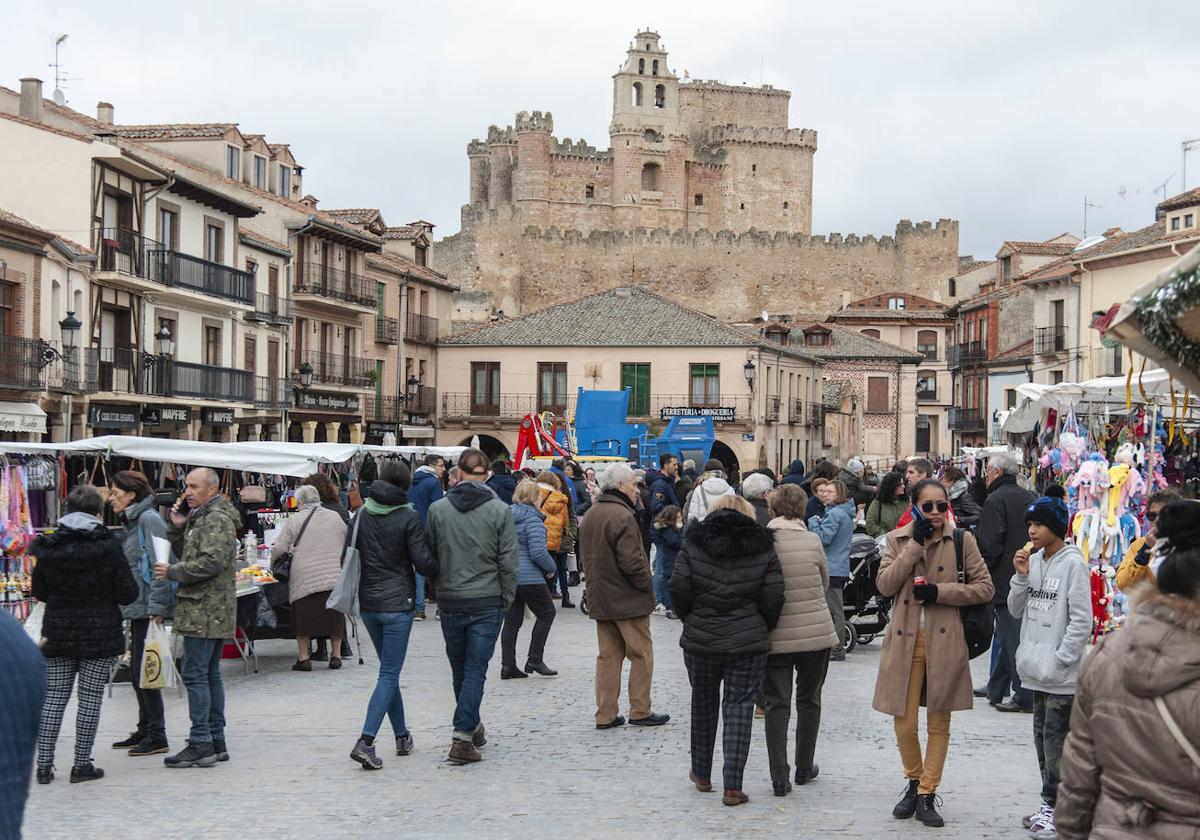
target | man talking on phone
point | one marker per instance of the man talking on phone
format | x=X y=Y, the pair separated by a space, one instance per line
x=204 y=537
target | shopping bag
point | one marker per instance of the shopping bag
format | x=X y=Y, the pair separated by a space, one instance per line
x=344 y=597
x=33 y=624
x=158 y=666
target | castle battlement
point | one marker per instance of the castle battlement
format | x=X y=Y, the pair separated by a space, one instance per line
x=718 y=86
x=535 y=121
x=722 y=135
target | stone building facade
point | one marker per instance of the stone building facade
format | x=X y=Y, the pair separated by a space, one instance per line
x=704 y=193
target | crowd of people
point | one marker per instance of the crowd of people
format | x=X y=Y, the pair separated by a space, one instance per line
x=753 y=567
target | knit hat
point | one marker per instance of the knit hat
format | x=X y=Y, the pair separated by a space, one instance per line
x=855 y=466
x=714 y=465
x=1051 y=511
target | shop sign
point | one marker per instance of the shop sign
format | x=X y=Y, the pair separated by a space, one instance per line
x=327 y=402
x=380 y=428
x=159 y=414
x=216 y=416
x=719 y=413
x=113 y=416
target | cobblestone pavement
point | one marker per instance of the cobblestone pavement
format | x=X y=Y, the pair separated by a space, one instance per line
x=546 y=772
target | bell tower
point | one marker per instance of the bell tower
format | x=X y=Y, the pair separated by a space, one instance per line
x=645 y=91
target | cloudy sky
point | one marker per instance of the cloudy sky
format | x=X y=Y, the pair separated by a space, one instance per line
x=1001 y=115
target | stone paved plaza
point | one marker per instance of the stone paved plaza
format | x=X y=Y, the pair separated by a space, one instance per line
x=546 y=773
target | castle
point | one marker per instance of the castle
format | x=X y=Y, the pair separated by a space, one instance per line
x=704 y=195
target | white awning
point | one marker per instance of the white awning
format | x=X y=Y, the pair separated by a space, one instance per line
x=22 y=417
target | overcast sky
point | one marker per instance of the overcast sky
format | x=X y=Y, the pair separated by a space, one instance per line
x=1001 y=115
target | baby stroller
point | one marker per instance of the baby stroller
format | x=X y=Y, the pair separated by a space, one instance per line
x=866 y=610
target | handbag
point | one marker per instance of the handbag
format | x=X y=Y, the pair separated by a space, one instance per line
x=355 y=497
x=978 y=620
x=281 y=568
x=344 y=597
x=252 y=494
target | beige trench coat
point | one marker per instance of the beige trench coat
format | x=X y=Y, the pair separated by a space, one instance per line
x=947 y=669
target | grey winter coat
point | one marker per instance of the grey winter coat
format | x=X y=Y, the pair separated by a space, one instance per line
x=156 y=597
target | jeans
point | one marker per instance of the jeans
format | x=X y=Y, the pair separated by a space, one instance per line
x=151 y=721
x=537 y=596
x=837 y=610
x=1008 y=631
x=663 y=569
x=389 y=634
x=470 y=637
x=564 y=576
x=1051 y=722
x=201 y=676
x=420 y=579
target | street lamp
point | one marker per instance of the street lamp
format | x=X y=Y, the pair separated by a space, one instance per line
x=306 y=375
x=164 y=342
x=748 y=370
x=412 y=388
x=70 y=327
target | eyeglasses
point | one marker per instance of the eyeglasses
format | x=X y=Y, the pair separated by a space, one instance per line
x=942 y=507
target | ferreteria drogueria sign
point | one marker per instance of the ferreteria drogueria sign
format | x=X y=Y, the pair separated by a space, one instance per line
x=719 y=413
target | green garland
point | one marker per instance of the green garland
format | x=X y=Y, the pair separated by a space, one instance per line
x=1158 y=312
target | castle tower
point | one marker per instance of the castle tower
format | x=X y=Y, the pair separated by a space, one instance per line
x=477 y=154
x=531 y=179
x=645 y=91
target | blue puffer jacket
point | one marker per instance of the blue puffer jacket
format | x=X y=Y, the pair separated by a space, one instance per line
x=426 y=489
x=536 y=561
x=836 y=530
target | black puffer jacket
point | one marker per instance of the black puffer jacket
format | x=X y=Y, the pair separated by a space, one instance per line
x=727 y=586
x=83 y=578
x=391 y=542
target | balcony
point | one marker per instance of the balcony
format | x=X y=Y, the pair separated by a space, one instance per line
x=269 y=309
x=1050 y=339
x=771 y=410
x=387 y=330
x=76 y=372
x=504 y=406
x=815 y=416
x=425 y=401
x=23 y=362
x=384 y=409
x=132 y=372
x=128 y=253
x=334 y=285
x=337 y=369
x=420 y=329
x=662 y=407
x=795 y=412
x=927 y=395
x=965 y=420
x=272 y=394
x=966 y=355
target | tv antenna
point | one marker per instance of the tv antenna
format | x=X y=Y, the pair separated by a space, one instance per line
x=1162 y=188
x=1086 y=205
x=1186 y=146
x=60 y=78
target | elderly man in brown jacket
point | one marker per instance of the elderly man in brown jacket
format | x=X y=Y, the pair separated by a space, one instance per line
x=620 y=596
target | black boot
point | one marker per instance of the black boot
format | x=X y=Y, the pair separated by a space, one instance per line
x=85 y=773
x=926 y=812
x=907 y=806
x=542 y=668
x=512 y=672
x=132 y=741
x=45 y=775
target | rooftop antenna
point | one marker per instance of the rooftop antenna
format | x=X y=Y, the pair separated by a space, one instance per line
x=1186 y=146
x=60 y=98
x=1086 y=205
x=1162 y=188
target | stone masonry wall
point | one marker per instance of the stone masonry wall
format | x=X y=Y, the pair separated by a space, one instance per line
x=703 y=105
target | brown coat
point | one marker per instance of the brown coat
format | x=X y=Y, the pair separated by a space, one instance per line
x=1123 y=775
x=805 y=624
x=619 y=585
x=947 y=669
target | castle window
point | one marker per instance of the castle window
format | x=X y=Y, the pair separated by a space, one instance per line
x=753 y=167
x=589 y=191
x=651 y=136
x=785 y=205
x=698 y=200
x=637 y=94
x=953 y=287
x=742 y=206
x=660 y=96
x=654 y=68
x=641 y=66
x=650 y=174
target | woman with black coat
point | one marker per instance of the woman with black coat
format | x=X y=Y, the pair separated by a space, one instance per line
x=83 y=578
x=728 y=589
x=391 y=543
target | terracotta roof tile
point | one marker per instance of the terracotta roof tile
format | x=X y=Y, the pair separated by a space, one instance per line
x=18 y=221
x=356 y=215
x=851 y=344
x=1040 y=248
x=403 y=232
x=1177 y=202
x=253 y=238
x=173 y=131
x=1019 y=352
x=423 y=273
x=1152 y=234
x=61 y=131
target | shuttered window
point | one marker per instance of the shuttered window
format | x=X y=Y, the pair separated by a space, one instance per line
x=877 y=395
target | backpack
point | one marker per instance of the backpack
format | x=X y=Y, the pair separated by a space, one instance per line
x=978 y=620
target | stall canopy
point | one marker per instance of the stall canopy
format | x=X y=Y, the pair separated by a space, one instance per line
x=274 y=458
x=1105 y=390
x=1161 y=321
x=22 y=417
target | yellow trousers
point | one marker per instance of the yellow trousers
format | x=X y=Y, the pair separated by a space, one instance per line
x=928 y=770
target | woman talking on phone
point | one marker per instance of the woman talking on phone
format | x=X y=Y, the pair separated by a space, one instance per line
x=925 y=658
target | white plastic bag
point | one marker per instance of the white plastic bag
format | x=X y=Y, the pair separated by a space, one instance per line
x=33 y=624
x=158 y=662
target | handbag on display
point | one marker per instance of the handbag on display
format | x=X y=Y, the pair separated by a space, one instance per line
x=252 y=494
x=978 y=619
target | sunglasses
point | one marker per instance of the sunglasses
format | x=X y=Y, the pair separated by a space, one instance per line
x=941 y=507
x=1152 y=517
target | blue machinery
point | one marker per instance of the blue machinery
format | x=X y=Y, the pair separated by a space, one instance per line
x=600 y=429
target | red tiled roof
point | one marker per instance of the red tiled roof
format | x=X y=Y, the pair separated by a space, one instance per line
x=1152 y=234
x=17 y=221
x=423 y=273
x=173 y=131
x=403 y=232
x=356 y=215
x=1185 y=199
x=254 y=238
x=1039 y=248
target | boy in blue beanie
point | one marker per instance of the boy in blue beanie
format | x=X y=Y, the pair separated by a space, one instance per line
x=1051 y=594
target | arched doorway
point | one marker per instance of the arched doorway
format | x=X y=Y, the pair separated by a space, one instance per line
x=725 y=455
x=490 y=446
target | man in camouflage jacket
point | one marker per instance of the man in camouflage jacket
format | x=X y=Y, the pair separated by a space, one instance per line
x=205 y=541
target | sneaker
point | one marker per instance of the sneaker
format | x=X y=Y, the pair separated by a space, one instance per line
x=45 y=775
x=404 y=743
x=419 y=615
x=132 y=741
x=1036 y=817
x=193 y=755
x=463 y=752
x=927 y=812
x=222 y=752
x=659 y=609
x=479 y=736
x=364 y=754
x=1044 y=829
x=671 y=615
x=149 y=746
x=837 y=656
x=85 y=773
x=907 y=806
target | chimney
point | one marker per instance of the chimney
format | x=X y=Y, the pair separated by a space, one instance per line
x=845 y=298
x=309 y=202
x=104 y=112
x=31 y=99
